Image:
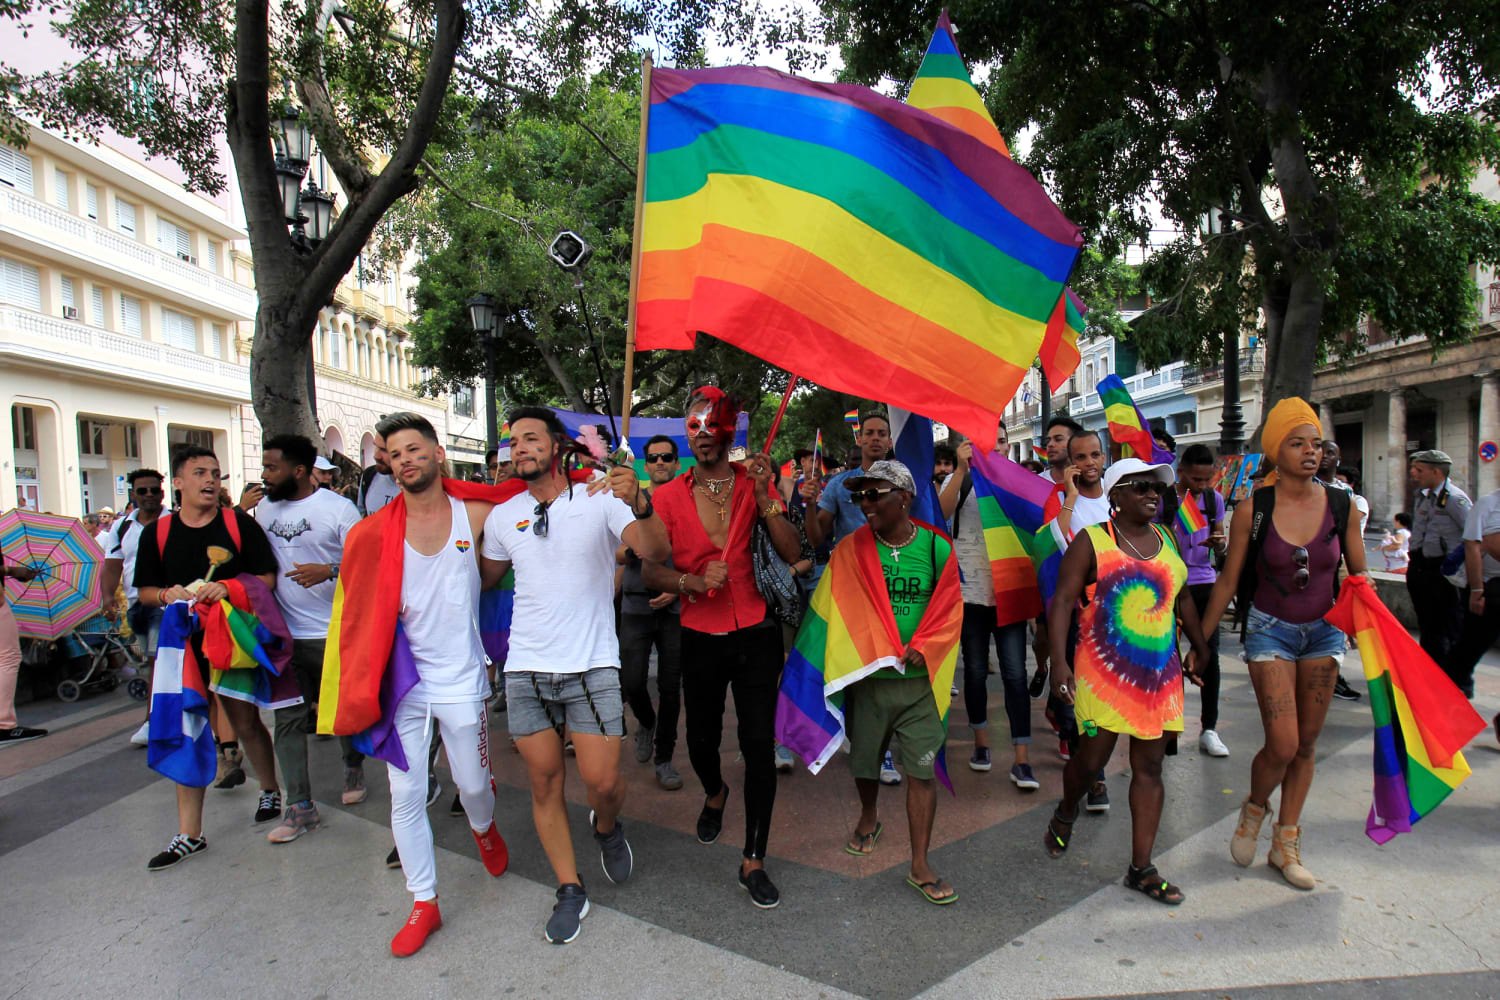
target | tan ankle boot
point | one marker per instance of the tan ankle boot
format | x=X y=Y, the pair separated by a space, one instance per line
x=231 y=772
x=1286 y=855
x=1247 y=833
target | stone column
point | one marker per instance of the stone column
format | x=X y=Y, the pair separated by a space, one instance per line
x=1395 y=454
x=1325 y=416
x=1487 y=480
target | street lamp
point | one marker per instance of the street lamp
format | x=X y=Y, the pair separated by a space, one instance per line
x=1215 y=222
x=482 y=316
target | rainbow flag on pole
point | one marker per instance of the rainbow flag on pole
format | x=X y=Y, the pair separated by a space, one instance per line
x=1012 y=504
x=847 y=237
x=1190 y=515
x=1422 y=720
x=1127 y=425
x=1059 y=350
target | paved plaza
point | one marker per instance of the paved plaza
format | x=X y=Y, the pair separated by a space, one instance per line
x=80 y=814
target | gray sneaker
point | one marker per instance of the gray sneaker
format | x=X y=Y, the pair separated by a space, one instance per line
x=645 y=739
x=614 y=851
x=667 y=776
x=567 y=916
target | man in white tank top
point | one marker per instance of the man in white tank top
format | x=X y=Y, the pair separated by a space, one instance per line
x=562 y=670
x=439 y=617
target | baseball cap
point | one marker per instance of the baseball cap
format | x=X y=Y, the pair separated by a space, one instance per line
x=1133 y=467
x=886 y=471
x=324 y=465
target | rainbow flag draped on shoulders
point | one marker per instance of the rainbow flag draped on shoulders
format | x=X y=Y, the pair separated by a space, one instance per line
x=1127 y=424
x=181 y=745
x=1422 y=720
x=1024 y=555
x=849 y=633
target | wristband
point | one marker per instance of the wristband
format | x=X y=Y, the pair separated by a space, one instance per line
x=644 y=514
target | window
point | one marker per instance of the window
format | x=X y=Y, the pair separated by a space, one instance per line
x=91 y=437
x=179 y=331
x=132 y=441
x=15 y=170
x=172 y=238
x=20 y=284
x=130 y=316
x=97 y=302
x=1088 y=377
x=125 y=217
x=23 y=428
x=463 y=401
x=198 y=438
x=335 y=346
x=90 y=201
x=213 y=256
x=60 y=196
x=68 y=299
x=216 y=342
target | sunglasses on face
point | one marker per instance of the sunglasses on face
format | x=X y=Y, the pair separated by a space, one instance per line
x=539 y=526
x=872 y=494
x=1303 y=576
x=1142 y=487
x=148 y=491
x=665 y=458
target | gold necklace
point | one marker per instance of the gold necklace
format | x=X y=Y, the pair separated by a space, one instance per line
x=714 y=486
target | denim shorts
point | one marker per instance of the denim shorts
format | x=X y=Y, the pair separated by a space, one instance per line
x=587 y=702
x=146 y=624
x=1269 y=638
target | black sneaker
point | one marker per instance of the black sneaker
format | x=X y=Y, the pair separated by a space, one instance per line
x=567 y=915
x=269 y=807
x=393 y=859
x=1038 y=683
x=457 y=808
x=20 y=734
x=645 y=739
x=1098 y=800
x=762 y=892
x=180 y=849
x=1342 y=690
x=614 y=851
x=711 y=820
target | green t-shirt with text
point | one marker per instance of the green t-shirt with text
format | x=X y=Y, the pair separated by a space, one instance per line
x=911 y=573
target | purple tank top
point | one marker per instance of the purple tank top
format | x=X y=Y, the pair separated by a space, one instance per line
x=1276 y=590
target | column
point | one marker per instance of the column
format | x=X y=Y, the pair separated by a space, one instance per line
x=161 y=445
x=1488 y=478
x=1395 y=454
x=1325 y=415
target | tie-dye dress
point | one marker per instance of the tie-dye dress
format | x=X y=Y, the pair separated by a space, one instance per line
x=1126 y=671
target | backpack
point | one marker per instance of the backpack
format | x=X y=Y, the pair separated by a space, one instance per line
x=1264 y=504
x=164 y=528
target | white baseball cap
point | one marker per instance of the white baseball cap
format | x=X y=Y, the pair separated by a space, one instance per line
x=324 y=465
x=1161 y=472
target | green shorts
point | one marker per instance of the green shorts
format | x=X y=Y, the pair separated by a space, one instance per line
x=875 y=709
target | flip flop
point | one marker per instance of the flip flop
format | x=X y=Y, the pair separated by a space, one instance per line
x=866 y=841
x=925 y=888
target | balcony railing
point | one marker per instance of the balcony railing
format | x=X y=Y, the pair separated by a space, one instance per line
x=1253 y=363
x=1494 y=299
x=1142 y=387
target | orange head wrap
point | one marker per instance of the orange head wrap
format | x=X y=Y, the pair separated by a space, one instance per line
x=1285 y=417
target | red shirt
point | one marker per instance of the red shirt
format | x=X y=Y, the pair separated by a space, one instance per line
x=738 y=603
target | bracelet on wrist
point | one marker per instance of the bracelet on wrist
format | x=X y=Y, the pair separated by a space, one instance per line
x=682 y=584
x=1067 y=508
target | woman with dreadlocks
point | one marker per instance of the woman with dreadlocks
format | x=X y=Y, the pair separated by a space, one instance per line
x=562 y=670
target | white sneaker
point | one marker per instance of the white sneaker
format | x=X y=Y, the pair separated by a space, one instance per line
x=785 y=762
x=888 y=773
x=142 y=735
x=1210 y=744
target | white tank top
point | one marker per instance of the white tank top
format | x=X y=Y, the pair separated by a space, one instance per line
x=440 y=614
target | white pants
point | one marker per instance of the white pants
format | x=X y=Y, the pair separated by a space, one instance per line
x=466 y=739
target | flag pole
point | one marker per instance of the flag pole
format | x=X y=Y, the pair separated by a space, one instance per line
x=786 y=398
x=635 y=250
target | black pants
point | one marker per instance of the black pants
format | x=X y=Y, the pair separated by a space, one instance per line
x=1207 y=672
x=1439 y=606
x=1479 y=634
x=638 y=633
x=747 y=663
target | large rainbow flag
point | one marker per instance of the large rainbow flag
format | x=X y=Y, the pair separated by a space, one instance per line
x=849 y=633
x=1127 y=424
x=847 y=237
x=248 y=645
x=1422 y=720
x=1012 y=503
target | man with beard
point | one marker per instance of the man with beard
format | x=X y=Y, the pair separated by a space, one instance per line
x=379 y=486
x=306 y=526
x=146 y=492
x=562 y=669
x=728 y=640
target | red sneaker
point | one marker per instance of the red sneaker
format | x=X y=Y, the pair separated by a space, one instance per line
x=424 y=919
x=1063 y=750
x=492 y=851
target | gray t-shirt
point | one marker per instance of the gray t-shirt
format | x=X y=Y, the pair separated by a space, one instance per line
x=1484 y=519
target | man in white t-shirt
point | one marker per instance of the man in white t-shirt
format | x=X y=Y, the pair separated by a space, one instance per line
x=562 y=670
x=1482 y=570
x=146 y=491
x=306 y=527
x=379 y=486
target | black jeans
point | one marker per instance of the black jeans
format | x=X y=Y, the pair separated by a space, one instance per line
x=1439 y=605
x=747 y=663
x=1207 y=672
x=1479 y=634
x=1010 y=646
x=638 y=633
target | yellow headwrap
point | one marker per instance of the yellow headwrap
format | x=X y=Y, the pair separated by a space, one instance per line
x=1285 y=417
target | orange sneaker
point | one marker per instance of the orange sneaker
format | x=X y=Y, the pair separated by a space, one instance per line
x=424 y=919
x=492 y=851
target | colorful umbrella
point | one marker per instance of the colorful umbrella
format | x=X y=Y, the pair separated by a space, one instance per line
x=65 y=591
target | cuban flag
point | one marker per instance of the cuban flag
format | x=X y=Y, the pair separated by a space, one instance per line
x=181 y=744
x=912 y=437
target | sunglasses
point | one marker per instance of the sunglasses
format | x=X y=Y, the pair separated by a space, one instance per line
x=871 y=494
x=1142 y=487
x=664 y=458
x=148 y=491
x=539 y=526
x=1303 y=576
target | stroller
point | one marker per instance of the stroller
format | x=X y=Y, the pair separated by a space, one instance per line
x=98 y=654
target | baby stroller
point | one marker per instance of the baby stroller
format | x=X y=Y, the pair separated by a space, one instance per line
x=98 y=654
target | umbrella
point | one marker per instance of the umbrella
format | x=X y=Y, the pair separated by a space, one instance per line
x=65 y=591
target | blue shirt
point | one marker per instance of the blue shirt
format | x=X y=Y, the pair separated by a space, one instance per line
x=847 y=515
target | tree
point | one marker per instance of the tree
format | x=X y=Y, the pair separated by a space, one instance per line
x=1338 y=141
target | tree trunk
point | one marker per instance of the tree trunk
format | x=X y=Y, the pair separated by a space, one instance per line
x=279 y=365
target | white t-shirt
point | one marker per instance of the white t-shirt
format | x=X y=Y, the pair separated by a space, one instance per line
x=1484 y=519
x=977 y=581
x=1089 y=510
x=564 y=620
x=124 y=549
x=310 y=530
x=382 y=490
x=1402 y=556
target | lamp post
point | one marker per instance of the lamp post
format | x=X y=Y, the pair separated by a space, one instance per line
x=482 y=317
x=1231 y=415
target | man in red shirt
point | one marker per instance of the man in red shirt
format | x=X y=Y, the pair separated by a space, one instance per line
x=728 y=640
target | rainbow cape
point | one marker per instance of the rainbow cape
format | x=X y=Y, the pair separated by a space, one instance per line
x=849 y=633
x=181 y=745
x=1012 y=504
x=1190 y=514
x=847 y=237
x=248 y=645
x=1422 y=720
x=1127 y=425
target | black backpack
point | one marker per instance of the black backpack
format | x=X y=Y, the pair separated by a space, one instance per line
x=1264 y=504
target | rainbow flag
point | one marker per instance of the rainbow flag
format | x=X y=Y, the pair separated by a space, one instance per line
x=847 y=237
x=1190 y=515
x=1012 y=504
x=181 y=745
x=1127 y=425
x=1038 y=452
x=1059 y=350
x=849 y=633
x=496 y=606
x=248 y=646
x=852 y=418
x=818 y=452
x=1422 y=720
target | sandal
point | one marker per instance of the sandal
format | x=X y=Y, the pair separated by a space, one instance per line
x=1057 y=843
x=863 y=844
x=1149 y=881
x=927 y=888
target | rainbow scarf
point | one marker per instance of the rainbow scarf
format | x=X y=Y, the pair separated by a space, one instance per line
x=1127 y=425
x=849 y=633
x=1190 y=515
x=1422 y=720
x=1012 y=503
x=248 y=646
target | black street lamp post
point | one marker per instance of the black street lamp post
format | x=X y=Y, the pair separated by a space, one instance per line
x=482 y=317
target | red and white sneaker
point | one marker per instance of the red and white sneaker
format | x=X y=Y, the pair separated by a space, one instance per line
x=424 y=919
x=492 y=851
x=1063 y=750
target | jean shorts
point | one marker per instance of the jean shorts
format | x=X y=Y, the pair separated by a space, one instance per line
x=587 y=702
x=1269 y=638
x=146 y=624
